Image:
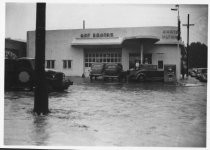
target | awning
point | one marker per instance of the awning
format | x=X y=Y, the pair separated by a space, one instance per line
x=143 y=38
x=112 y=41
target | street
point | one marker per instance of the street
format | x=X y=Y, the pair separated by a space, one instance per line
x=110 y=114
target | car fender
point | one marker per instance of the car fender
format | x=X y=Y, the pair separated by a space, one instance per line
x=138 y=74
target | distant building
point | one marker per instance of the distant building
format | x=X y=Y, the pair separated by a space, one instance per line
x=14 y=48
x=73 y=51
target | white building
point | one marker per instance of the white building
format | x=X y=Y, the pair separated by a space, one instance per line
x=73 y=51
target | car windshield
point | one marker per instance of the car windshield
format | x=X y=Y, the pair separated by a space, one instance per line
x=111 y=66
x=97 y=66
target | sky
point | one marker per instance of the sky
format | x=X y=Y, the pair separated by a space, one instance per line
x=21 y=17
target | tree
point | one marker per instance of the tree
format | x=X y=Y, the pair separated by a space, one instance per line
x=198 y=55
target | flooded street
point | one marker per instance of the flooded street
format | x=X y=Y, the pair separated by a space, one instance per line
x=110 y=114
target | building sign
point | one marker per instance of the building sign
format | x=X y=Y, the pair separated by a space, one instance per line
x=96 y=35
x=169 y=34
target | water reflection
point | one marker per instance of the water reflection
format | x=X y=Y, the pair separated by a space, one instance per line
x=40 y=130
x=107 y=114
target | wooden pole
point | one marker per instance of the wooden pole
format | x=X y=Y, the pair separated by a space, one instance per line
x=41 y=92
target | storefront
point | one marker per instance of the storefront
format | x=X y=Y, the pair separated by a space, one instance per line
x=73 y=51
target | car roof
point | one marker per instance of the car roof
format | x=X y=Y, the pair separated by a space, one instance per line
x=29 y=58
x=113 y=64
x=201 y=68
x=97 y=63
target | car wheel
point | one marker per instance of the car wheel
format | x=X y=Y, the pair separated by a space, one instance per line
x=119 y=79
x=24 y=77
x=141 y=78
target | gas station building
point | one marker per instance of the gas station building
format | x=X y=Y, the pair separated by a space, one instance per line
x=73 y=51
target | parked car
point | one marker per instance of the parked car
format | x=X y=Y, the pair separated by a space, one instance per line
x=113 y=70
x=20 y=73
x=146 y=72
x=202 y=74
x=193 y=72
x=97 y=70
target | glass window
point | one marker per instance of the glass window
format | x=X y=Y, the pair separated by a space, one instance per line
x=160 y=64
x=69 y=63
x=66 y=64
x=147 y=58
x=102 y=55
x=50 y=63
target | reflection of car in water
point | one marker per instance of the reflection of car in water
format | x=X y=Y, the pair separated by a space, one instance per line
x=202 y=74
x=113 y=70
x=145 y=72
x=96 y=70
x=19 y=73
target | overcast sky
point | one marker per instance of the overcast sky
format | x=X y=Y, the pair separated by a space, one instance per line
x=20 y=17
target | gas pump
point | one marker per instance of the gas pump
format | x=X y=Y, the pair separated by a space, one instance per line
x=169 y=73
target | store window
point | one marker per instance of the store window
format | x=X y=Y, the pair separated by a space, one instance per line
x=160 y=64
x=102 y=55
x=136 y=57
x=67 y=64
x=50 y=63
x=147 y=58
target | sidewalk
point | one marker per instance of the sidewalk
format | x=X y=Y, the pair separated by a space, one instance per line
x=190 y=81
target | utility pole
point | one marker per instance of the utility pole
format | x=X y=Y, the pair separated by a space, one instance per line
x=188 y=29
x=178 y=26
x=41 y=92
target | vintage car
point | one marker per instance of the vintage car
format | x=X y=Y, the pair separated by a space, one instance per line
x=113 y=70
x=97 y=70
x=145 y=73
x=202 y=74
x=20 y=73
x=193 y=72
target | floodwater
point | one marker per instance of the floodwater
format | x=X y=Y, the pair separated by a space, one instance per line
x=110 y=114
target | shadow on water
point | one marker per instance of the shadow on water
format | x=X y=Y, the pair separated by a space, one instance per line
x=59 y=94
x=40 y=129
x=133 y=86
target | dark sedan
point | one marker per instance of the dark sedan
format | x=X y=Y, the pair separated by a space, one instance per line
x=20 y=74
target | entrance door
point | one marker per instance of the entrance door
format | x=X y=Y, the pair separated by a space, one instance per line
x=159 y=60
